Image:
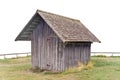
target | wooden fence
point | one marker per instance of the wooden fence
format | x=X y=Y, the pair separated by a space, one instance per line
x=105 y=53
x=14 y=55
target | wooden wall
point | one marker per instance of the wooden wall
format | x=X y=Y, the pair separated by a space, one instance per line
x=76 y=53
x=45 y=48
x=50 y=53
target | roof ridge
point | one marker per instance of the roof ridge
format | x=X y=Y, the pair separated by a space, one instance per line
x=57 y=15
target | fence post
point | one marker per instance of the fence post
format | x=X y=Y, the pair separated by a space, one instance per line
x=4 y=56
x=27 y=54
x=16 y=55
x=112 y=54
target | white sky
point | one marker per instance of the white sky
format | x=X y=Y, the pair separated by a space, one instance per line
x=101 y=17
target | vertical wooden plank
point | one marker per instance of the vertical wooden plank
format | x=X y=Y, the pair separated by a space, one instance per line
x=53 y=53
x=70 y=55
x=57 y=57
x=35 y=48
x=79 y=49
x=56 y=54
x=85 y=53
x=56 y=42
x=82 y=53
x=63 y=55
x=76 y=52
x=79 y=52
x=48 y=54
x=85 y=50
x=39 y=46
x=63 y=52
x=66 y=56
x=32 y=52
x=67 y=51
x=48 y=51
x=89 y=52
x=74 y=59
x=43 y=54
x=61 y=60
x=41 y=43
x=45 y=46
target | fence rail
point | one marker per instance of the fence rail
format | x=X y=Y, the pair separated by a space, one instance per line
x=14 y=55
x=105 y=53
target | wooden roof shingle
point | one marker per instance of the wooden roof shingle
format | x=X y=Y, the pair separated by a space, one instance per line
x=67 y=29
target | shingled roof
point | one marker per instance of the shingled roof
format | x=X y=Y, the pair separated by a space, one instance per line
x=67 y=29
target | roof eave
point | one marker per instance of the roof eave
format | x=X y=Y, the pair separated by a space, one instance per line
x=79 y=41
x=18 y=38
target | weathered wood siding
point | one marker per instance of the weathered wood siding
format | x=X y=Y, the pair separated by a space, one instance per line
x=50 y=53
x=76 y=53
x=45 y=49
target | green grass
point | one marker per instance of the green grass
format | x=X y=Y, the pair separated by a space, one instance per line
x=105 y=68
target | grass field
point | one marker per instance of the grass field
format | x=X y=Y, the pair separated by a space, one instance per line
x=104 y=68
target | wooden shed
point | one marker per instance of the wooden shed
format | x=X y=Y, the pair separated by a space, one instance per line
x=57 y=42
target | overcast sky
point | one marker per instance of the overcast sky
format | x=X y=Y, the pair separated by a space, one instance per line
x=101 y=17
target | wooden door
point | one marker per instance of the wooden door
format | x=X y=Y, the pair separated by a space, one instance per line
x=51 y=53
